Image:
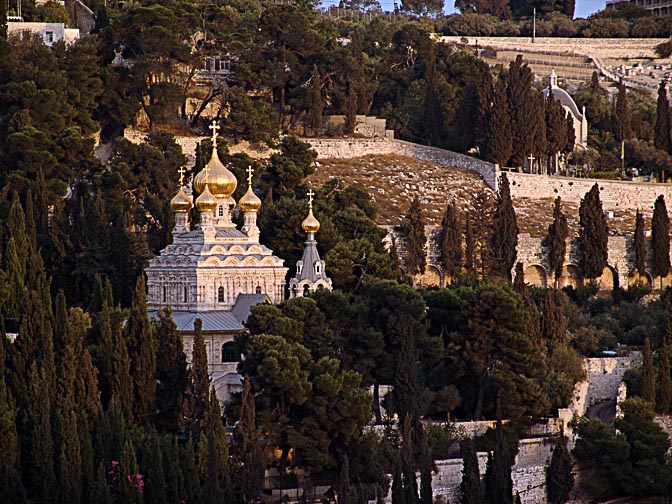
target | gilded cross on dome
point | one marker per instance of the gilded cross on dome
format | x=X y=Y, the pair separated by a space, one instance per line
x=215 y=129
x=249 y=171
x=181 y=171
x=310 y=198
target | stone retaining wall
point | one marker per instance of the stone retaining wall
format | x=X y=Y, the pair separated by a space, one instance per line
x=605 y=375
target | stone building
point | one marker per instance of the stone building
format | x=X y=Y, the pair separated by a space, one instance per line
x=215 y=271
x=568 y=104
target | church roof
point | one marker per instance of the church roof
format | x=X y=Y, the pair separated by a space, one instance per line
x=309 y=258
x=218 y=320
x=565 y=100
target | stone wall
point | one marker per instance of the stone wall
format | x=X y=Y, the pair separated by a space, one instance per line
x=614 y=194
x=605 y=375
x=355 y=147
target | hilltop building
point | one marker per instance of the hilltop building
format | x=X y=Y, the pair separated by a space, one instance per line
x=49 y=32
x=215 y=272
x=655 y=7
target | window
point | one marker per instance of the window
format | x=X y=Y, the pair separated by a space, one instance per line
x=185 y=293
x=164 y=294
x=306 y=290
x=49 y=37
x=220 y=210
x=258 y=289
x=317 y=268
x=220 y=295
x=230 y=352
x=299 y=268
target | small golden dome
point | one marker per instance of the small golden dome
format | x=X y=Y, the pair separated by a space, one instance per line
x=221 y=181
x=181 y=202
x=250 y=202
x=199 y=181
x=310 y=224
x=231 y=203
x=206 y=202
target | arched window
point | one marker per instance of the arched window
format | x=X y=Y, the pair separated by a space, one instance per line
x=317 y=268
x=220 y=210
x=295 y=291
x=220 y=295
x=230 y=352
x=258 y=289
x=299 y=267
x=306 y=290
x=185 y=293
x=164 y=294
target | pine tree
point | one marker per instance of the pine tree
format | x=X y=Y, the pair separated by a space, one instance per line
x=556 y=240
x=171 y=374
x=426 y=464
x=504 y=239
x=593 y=234
x=415 y=239
x=469 y=247
x=471 y=489
x=559 y=477
x=143 y=359
x=450 y=242
x=199 y=376
x=623 y=124
x=660 y=240
x=648 y=378
x=640 y=245
x=497 y=145
x=662 y=138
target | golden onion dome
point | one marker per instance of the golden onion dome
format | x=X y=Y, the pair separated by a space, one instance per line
x=250 y=202
x=310 y=224
x=206 y=202
x=231 y=203
x=221 y=181
x=181 y=202
x=199 y=181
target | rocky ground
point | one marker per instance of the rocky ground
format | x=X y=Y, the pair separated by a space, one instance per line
x=393 y=181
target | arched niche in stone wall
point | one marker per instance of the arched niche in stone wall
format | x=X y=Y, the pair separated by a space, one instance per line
x=644 y=280
x=535 y=274
x=607 y=280
x=570 y=277
x=431 y=278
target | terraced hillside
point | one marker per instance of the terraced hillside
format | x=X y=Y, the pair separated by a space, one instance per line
x=395 y=180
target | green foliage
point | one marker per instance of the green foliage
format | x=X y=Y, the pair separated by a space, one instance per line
x=415 y=239
x=593 y=234
x=662 y=138
x=559 y=477
x=640 y=244
x=504 y=238
x=660 y=239
x=556 y=239
x=471 y=489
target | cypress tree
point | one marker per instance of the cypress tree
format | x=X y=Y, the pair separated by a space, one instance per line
x=251 y=466
x=471 y=489
x=151 y=465
x=553 y=327
x=143 y=359
x=426 y=464
x=316 y=102
x=662 y=138
x=398 y=496
x=559 y=477
x=69 y=459
x=343 y=482
x=571 y=134
x=122 y=384
x=469 y=247
x=497 y=145
x=433 y=113
x=410 y=490
x=450 y=242
x=660 y=240
x=523 y=109
x=415 y=239
x=189 y=469
x=217 y=485
x=200 y=386
x=556 y=240
x=623 y=124
x=593 y=234
x=648 y=378
x=499 y=486
x=106 y=355
x=100 y=494
x=394 y=253
x=664 y=383
x=504 y=239
x=126 y=475
x=556 y=128
x=11 y=488
x=171 y=469
x=171 y=374
x=640 y=245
